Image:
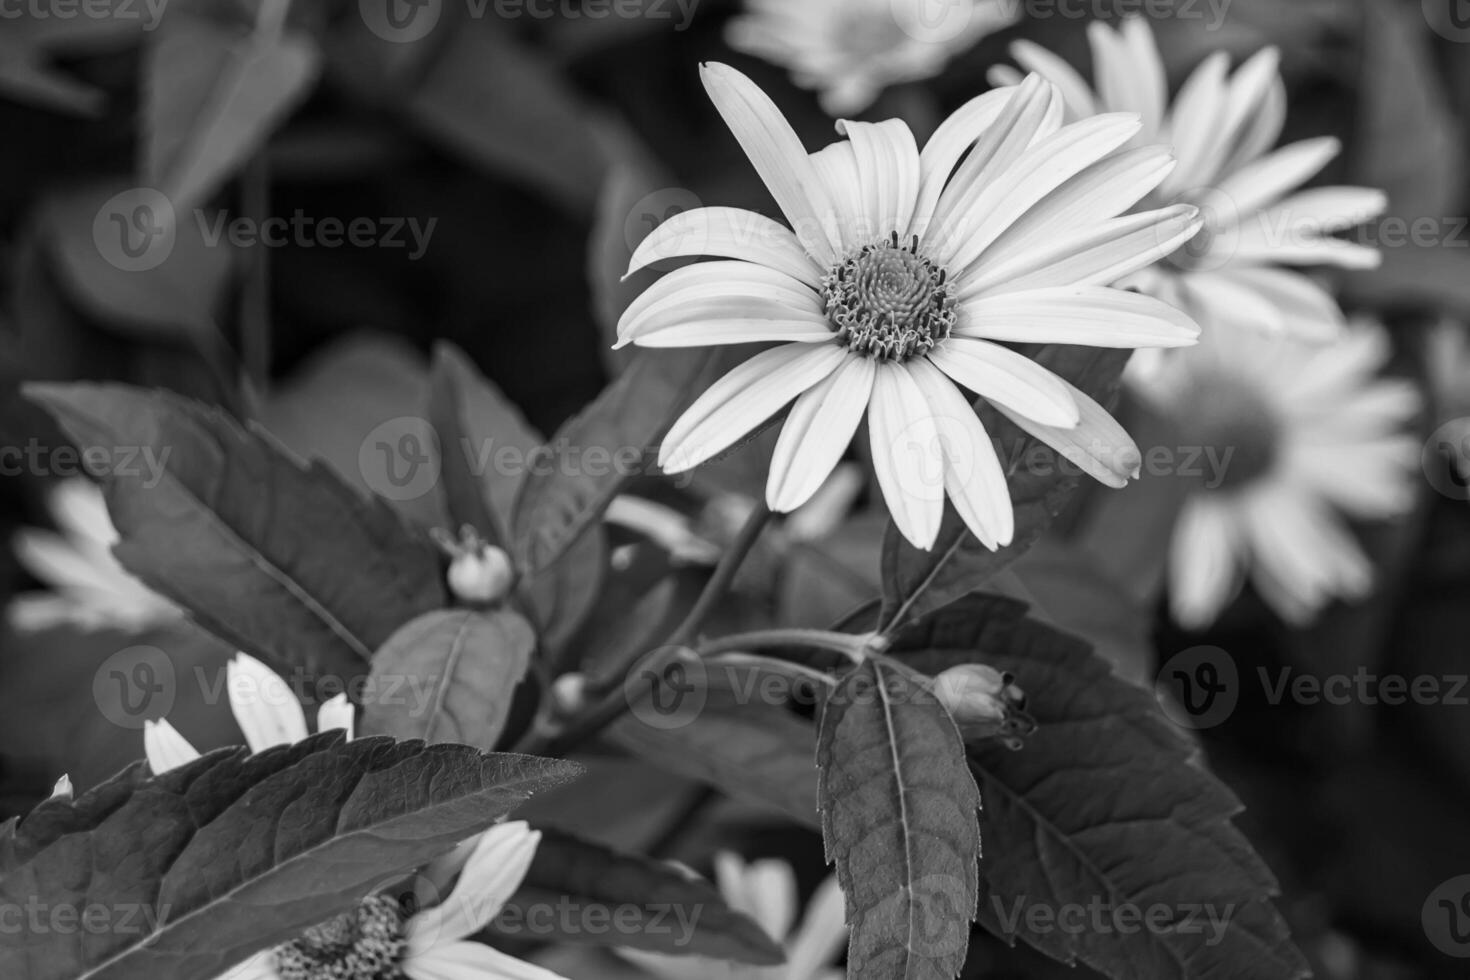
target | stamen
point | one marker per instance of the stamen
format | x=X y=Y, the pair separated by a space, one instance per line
x=887 y=301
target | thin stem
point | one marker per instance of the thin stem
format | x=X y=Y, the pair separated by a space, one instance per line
x=255 y=297
x=619 y=701
x=847 y=644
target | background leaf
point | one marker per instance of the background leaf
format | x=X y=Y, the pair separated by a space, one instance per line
x=279 y=558
x=449 y=676
x=234 y=853
x=899 y=821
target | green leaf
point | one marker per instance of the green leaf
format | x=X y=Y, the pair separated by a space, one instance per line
x=449 y=676
x=655 y=906
x=1105 y=805
x=212 y=97
x=474 y=421
x=178 y=296
x=917 y=582
x=279 y=558
x=235 y=853
x=598 y=451
x=899 y=818
x=758 y=753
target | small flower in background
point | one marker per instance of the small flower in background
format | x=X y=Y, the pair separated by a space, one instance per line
x=849 y=51
x=479 y=572
x=666 y=527
x=264 y=707
x=904 y=274
x=379 y=941
x=765 y=890
x=91 y=590
x=1222 y=127
x=1306 y=433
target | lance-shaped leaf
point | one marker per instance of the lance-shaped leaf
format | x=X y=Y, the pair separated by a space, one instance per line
x=916 y=582
x=899 y=817
x=597 y=452
x=655 y=905
x=281 y=559
x=204 y=865
x=212 y=97
x=449 y=676
x=1106 y=807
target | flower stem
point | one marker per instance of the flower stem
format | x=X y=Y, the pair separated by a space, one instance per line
x=618 y=701
x=847 y=644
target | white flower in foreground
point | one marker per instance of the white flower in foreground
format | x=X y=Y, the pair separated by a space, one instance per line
x=264 y=707
x=377 y=942
x=851 y=50
x=1310 y=432
x=766 y=891
x=90 y=589
x=1222 y=127
x=905 y=273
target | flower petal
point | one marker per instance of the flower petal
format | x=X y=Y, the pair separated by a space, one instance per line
x=1043 y=168
x=1130 y=72
x=743 y=399
x=165 y=748
x=261 y=966
x=973 y=476
x=336 y=714
x=490 y=876
x=1076 y=93
x=1007 y=378
x=888 y=172
x=1204 y=567
x=1096 y=316
x=1262 y=182
x=1320 y=211
x=765 y=890
x=778 y=157
x=471 y=961
x=728 y=233
x=730 y=289
x=1194 y=125
x=907 y=454
x=821 y=935
x=836 y=165
x=1098 y=445
x=1095 y=256
x=264 y=707
x=1308 y=311
x=950 y=141
x=817 y=433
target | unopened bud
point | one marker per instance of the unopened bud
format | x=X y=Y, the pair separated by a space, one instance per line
x=479 y=572
x=984 y=703
x=62 y=790
x=569 y=693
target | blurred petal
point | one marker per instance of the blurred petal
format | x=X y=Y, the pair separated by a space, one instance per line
x=491 y=875
x=165 y=748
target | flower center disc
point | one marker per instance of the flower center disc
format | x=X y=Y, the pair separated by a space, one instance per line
x=888 y=302
x=1238 y=427
x=365 y=944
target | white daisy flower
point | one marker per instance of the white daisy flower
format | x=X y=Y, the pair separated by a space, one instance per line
x=1311 y=434
x=905 y=274
x=1222 y=127
x=766 y=891
x=377 y=941
x=264 y=707
x=851 y=50
x=90 y=589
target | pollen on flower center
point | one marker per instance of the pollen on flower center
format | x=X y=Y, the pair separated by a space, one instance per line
x=889 y=302
x=365 y=944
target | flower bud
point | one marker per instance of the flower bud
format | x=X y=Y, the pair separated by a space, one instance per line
x=479 y=573
x=984 y=703
x=569 y=693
